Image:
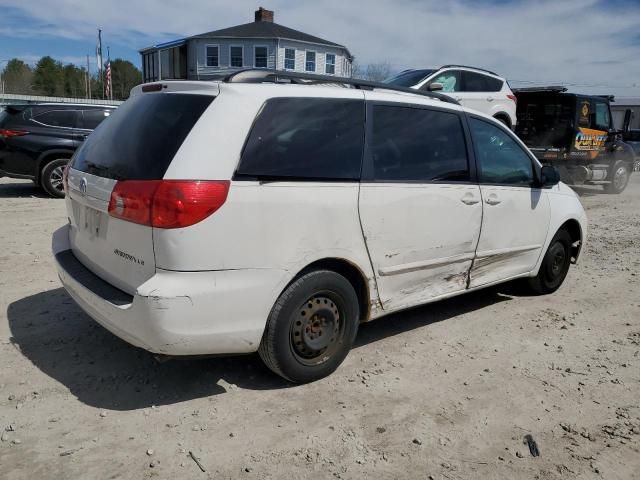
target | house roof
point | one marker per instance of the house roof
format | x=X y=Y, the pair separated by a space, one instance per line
x=255 y=30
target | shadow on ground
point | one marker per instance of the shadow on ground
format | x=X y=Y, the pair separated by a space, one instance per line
x=24 y=189
x=103 y=371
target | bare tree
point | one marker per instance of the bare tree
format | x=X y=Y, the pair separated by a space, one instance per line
x=375 y=72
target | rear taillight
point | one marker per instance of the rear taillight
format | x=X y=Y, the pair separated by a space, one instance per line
x=167 y=203
x=513 y=97
x=65 y=177
x=12 y=133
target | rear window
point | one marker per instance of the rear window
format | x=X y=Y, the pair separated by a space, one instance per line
x=141 y=137
x=306 y=138
x=545 y=120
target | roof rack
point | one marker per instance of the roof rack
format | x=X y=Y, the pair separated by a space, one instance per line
x=261 y=75
x=469 y=66
x=552 y=89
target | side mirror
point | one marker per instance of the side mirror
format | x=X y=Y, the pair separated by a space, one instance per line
x=549 y=176
x=435 y=87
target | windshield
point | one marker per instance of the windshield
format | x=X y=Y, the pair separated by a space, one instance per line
x=546 y=120
x=409 y=78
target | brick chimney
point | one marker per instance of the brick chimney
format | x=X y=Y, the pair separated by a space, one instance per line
x=264 y=15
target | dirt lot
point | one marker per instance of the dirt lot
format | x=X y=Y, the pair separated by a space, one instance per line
x=445 y=391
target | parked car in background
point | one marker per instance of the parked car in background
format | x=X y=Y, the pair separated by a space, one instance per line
x=37 y=141
x=316 y=209
x=575 y=134
x=474 y=88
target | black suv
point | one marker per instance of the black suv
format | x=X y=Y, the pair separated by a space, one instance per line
x=37 y=141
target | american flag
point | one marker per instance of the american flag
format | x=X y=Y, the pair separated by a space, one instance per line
x=107 y=87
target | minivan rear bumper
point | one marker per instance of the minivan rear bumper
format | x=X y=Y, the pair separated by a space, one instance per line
x=176 y=313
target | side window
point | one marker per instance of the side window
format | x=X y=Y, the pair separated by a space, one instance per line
x=260 y=57
x=57 y=118
x=501 y=160
x=476 y=82
x=416 y=144
x=213 y=55
x=310 y=62
x=602 y=117
x=450 y=80
x=306 y=138
x=92 y=118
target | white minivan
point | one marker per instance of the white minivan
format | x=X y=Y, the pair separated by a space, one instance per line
x=249 y=215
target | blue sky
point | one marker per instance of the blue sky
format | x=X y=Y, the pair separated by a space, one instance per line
x=591 y=45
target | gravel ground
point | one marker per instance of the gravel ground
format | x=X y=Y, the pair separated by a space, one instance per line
x=445 y=391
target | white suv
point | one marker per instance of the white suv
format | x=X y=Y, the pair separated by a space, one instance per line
x=475 y=88
x=232 y=217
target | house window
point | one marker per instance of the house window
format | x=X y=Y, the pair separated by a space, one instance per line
x=310 y=62
x=213 y=58
x=260 y=57
x=330 y=65
x=236 y=54
x=289 y=59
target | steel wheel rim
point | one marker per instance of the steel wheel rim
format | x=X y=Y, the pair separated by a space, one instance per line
x=558 y=262
x=317 y=329
x=55 y=178
x=619 y=177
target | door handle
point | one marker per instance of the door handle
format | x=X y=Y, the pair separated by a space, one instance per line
x=493 y=200
x=489 y=99
x=469 y=199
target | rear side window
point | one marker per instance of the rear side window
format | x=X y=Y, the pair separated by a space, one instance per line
x=306 y=138
x=57 y=118
x=476 y=82
x=415 y=144
x=90 y=119
x=140 y=138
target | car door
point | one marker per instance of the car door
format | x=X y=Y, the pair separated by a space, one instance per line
x=516 y=212
x=419 y=208
x=475 y=92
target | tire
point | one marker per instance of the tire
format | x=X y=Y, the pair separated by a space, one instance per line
x=51 y=178
x=311 y=327
x=620 y=173
x=503 y=121
x=555 y=265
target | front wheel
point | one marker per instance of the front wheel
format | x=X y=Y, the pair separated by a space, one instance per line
x=555 y=265
x=619 y=177
x=311 y=327
x=51 y=178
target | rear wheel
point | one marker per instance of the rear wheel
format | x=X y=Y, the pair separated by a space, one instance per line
x=311 y=327
x=51 y=178
x=555 y=265
x=503 y=120
x=619 y=175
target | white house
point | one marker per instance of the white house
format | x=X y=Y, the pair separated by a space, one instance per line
x=259 y=44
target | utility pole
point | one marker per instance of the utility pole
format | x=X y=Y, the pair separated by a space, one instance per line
x=87 y=81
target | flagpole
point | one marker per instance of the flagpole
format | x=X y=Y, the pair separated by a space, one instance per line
x=99 y=58
x=110 y=79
